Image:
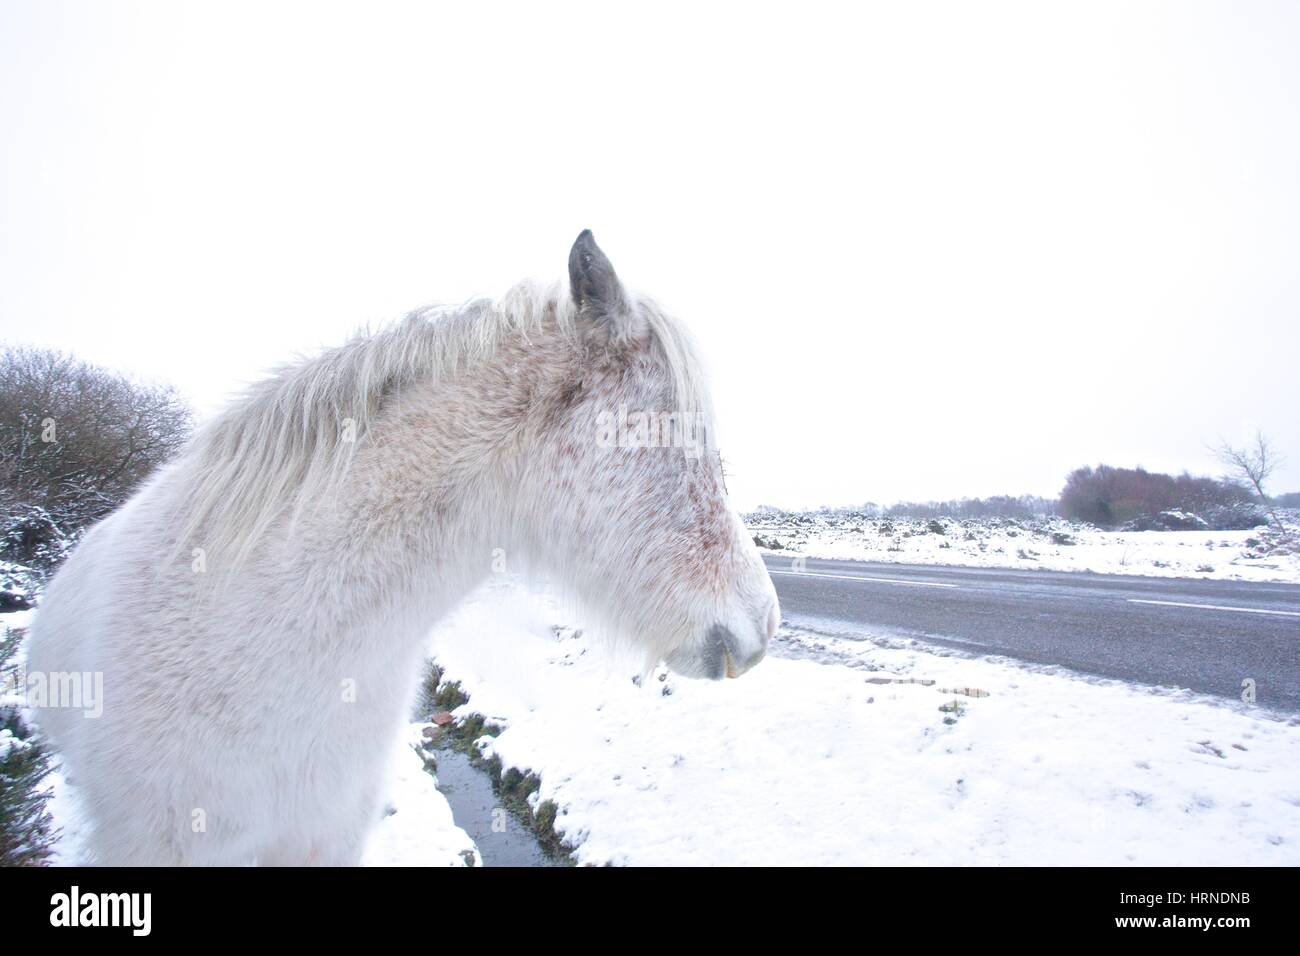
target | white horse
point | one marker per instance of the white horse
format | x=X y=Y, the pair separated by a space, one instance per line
x=258 y=610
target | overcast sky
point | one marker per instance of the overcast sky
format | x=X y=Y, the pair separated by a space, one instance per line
x=929 y=250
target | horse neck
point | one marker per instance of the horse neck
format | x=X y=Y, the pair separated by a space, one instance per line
x=429 y=507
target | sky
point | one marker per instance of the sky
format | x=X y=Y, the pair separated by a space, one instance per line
x=928 y=250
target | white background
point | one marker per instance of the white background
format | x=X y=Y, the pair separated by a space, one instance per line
x=930 y=250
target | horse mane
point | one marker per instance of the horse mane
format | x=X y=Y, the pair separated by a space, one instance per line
x=284 y=444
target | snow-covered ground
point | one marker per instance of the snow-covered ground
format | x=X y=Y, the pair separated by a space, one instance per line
x=839 y=751
x=417 y=828
x=1054 y=545
x=862 y=762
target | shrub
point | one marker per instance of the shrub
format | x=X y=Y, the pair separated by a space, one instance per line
x=1108 y=496
x=26 y=829
x=31 y=538
x=75 y=439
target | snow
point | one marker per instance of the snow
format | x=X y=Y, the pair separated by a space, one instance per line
x=417 y=828
x=69 y=821
x=803 y=762
x=838 y=749
x=1217 y=555
x=10 y=744
x=17 y=619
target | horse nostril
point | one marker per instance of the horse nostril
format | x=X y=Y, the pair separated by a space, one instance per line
x=719 y=653
x=739 y=655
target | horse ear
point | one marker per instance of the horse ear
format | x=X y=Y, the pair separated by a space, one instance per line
x=592 y=280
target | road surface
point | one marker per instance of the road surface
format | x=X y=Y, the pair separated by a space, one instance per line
x=1208 y=636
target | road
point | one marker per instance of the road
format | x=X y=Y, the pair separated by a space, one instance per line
x=1208 y=636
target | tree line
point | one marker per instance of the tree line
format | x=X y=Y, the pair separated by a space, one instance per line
x=1112 y=497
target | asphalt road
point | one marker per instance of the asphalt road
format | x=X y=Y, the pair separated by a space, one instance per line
x=1208 y=636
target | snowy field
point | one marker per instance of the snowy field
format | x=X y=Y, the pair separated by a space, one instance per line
x=838 y=751
x=862 y=761
x=1048 y=544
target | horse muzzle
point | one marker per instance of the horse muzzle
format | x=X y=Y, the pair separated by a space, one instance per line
x=725 y=651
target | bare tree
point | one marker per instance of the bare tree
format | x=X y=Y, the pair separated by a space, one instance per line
x=1254 y=465
x=76 y=439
